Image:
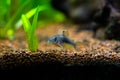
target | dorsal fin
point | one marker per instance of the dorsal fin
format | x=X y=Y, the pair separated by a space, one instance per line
x=63 y=32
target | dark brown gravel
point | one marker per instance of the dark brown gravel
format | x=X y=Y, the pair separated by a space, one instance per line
x=12 y=59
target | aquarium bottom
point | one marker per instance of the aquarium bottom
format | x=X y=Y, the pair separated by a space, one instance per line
x=63 y=72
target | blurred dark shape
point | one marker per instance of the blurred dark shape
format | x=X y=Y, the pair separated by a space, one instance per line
x=115 y=4
x=101 y=19
x=113 y=31
x=83 y=12
x=75 y=10
x=61 y=5
x=93 y=17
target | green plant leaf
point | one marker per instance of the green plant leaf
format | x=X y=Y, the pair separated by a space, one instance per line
x=33 y=41
x=30 y=30
x=8 y=25
x=34 y=23
x=10 y=34
x=31 y=13
x=26 y=24
x=33 y=44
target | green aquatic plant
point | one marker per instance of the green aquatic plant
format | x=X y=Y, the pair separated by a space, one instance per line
x=8 y=26
x=29 y=29
x=30 y=14
x=11 y=11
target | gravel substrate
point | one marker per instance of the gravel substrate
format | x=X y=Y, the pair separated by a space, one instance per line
x=13 y=59
x=94 y=59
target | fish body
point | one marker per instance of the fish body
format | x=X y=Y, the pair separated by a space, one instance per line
x=60 y=40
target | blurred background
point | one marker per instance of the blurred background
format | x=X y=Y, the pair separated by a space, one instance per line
x=14 y=8
x=11 y=11
x=94 y=13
